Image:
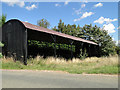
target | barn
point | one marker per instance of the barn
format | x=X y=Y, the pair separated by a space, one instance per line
x=15 y=36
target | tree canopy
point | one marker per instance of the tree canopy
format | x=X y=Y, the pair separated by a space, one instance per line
x=2 y=19
x=43 y=23
x=92 y=33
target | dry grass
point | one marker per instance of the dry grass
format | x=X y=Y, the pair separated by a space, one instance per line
x=105 y=65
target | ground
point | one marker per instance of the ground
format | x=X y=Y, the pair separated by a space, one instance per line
x=48 y=79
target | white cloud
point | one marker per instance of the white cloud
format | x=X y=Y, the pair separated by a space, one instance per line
x=118 y=42
x=101 y=20
x=108 y=20
x=31 y=7
x=15 y=2
x=85 y=1
x=86 y=14
x=57 y=5
x=98 y=5
x=73 y=8
x=109 y=27
x=113 y=39
x=66 y=2
x=78 y=11
x=83 y=5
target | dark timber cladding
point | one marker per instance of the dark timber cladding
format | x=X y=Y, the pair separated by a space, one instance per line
x=15 y=34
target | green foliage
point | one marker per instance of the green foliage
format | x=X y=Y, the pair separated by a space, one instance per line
x=117 y=50
x=1 y=44
x=83 y=53
x=1 y=55
x=92 y=33
x=43 y=23
x=2 y=19
x=50 y=45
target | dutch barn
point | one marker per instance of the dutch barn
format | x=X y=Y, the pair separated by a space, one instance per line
x=15 y=36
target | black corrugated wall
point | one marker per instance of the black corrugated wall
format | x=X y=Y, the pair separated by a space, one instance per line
x=14 y=37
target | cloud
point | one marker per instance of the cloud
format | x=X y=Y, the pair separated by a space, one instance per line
x=79 y=10
x=15 y=2
x=85 y=1
x=113 y=39
x=109 y=27
x=101 y=20
x=66 y=2
x=98 y=5
x=86 y=14
x=57 y=5
x=83 y=5
x=31 y=7
x=118 y=42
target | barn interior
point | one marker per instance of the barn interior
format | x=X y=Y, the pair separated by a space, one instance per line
x=60 y=46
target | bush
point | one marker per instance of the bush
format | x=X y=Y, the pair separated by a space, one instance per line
x=1 y=55
x=1 y=45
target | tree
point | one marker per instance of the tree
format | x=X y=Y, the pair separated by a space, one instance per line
x=2 y=19
x=61 y=26
x=43 y=23
x=92 y=33
x=102 y=38
x=117 y=50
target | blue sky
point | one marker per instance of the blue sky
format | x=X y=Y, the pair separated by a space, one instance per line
x=99 y=13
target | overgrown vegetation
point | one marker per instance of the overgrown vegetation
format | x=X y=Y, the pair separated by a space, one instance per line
x=94 y=65
x=2 y=19
x=92 y=33
x=1 y=45
x=51 y=45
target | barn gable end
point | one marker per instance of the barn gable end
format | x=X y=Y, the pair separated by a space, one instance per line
x=14 y=37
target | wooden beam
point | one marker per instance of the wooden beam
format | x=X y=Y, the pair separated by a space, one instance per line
x=54 y=39
x=71 y=43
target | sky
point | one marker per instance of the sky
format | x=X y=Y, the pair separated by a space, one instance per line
x=102 y=14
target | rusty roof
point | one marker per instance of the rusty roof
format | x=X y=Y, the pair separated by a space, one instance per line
x=42 y=29
x=45 y=30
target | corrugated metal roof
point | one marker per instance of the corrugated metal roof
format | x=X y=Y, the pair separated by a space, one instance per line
x=41 y=29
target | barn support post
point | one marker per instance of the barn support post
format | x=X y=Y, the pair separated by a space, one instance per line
x=90 y=50
x=71 y=43
x=54 y=39
x=95 y=51
x=25 y=48
x=77 y=49
x=82 y=45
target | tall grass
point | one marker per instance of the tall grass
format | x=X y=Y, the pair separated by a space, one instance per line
x=103 y=65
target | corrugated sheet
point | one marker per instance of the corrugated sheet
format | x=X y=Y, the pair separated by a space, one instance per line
x=41 y=29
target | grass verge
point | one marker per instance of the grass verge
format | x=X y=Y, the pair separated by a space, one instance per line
x=93 y=65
